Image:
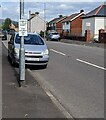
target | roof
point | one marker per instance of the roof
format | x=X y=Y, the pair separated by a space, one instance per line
x=70 y=17
x=73 y=16
x=15 y=24
x=55 y=20
x=97 y=12
x=31 y=17
x=35 y=15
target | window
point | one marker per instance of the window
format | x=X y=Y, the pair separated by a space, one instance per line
x=30 y=39
x=67 y=22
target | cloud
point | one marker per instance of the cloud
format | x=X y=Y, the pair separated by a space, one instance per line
x=65 y=7
x=11 y=9
x=54 y=1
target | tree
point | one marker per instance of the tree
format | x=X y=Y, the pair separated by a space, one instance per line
x=6 y=24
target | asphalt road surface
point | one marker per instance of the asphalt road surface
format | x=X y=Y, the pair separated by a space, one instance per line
x=0 y=78
x=75 y=75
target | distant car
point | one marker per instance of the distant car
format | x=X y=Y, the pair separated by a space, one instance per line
x=4 y=35
x=53 y=36
x=11 y=32
x=36 y=52
x=96 y=38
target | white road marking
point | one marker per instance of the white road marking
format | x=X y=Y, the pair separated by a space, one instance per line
x=91 y=64
x=48 y=89
x=58 y=52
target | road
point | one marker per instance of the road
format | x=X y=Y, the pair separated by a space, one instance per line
x=75 y=76
x=0 y=78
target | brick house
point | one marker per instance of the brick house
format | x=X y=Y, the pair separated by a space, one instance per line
x=72 y=25
x=56 y=24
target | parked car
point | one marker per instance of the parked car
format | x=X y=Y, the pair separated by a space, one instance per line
x=96 y=38
x=36 y=51
x=53 y=36
x=11 y=32
x=4 y=35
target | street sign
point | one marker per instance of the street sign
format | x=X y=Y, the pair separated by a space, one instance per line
x=88 y=24
x=22 y=27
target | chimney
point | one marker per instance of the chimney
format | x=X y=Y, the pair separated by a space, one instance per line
x=81 y=11
x=29 y=14
x=105 y=3
x=32 y=14
x=36 y=13
x=60 y=16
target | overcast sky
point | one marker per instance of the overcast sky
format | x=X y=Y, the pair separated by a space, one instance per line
x=10 y=9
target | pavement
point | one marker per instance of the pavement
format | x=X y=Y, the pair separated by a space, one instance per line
x=29 y=101
x=84 y=43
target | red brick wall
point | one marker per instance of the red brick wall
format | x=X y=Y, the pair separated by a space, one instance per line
x=76 y=26
x=102 y=36
x=59 y=27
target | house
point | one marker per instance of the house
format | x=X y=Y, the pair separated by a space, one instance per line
x=94 y=20
x=56 y=24
x=14 y=26
x=72 y=25
x=36 y=23
x=1 y=21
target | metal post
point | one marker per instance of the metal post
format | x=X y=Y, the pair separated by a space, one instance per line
x=22 y=50
x=44 y=20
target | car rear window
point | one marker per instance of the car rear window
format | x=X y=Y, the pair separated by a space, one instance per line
x=55 y=33
x=30 y=39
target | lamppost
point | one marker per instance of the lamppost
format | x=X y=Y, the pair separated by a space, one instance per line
x=22 y=50
x=44 y=18
x=0 y=11
x=44 y=21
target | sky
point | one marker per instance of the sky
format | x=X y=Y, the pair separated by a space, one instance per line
x=48 y=9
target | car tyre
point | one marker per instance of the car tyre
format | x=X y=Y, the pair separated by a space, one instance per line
x=44 y=66
x=13 y=63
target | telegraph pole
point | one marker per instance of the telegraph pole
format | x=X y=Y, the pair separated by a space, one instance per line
x=22 y=50
x=44 y=20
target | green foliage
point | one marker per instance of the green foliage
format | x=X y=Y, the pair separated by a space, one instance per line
x=41 y=33
x=6 y=24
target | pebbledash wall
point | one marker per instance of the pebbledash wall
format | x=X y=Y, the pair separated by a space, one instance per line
x=36 y=24
x=93 y=24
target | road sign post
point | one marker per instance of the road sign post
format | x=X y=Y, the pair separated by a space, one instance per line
x=22 y=33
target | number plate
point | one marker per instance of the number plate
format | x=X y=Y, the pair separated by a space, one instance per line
x=32 y=59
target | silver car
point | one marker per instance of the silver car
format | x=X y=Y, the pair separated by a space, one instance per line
x=53 y=36
x=36 y=52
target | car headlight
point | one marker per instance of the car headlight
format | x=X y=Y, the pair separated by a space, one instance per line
x=46 y=52
x=16 y=50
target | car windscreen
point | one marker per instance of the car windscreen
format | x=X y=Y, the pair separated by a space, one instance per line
x=30 y=39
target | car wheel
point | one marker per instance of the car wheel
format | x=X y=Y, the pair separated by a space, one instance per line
x=8 y=55
x=13 y=63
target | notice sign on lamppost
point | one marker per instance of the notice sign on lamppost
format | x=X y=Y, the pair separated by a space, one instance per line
x=22 y=27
